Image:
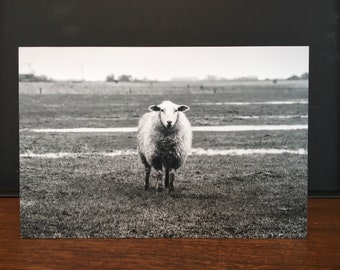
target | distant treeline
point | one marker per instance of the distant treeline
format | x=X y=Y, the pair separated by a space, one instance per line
x=125 y=78
x=34 y=78
x=304 y=76
x=30 y=77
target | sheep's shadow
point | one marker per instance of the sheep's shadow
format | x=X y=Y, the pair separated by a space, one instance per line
x=133 y=190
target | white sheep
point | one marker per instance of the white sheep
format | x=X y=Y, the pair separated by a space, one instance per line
x=164 y=141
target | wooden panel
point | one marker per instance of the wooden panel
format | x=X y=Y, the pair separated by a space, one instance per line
x=321 y=249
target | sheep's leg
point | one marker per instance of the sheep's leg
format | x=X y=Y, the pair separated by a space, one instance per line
x=147 y=176
x=159 y=184
x=172 y=179
x=166 y=178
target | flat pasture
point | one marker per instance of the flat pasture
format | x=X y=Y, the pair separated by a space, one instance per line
x=92 y=195
x=120 y=109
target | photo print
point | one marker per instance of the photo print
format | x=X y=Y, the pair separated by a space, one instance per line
x=163 y=142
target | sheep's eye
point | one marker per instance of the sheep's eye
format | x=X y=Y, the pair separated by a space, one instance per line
x=162 y=110
x=176 y=110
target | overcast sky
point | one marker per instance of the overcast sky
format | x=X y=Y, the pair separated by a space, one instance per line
x=163 y=63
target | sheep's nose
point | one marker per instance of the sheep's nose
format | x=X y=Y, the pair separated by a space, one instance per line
x=169 y=123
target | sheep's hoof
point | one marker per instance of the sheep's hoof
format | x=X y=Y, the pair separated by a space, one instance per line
x=146 y=187
x=171 y=189
x=159 y=190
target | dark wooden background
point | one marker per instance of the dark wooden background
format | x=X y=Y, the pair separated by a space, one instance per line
x=321 y=249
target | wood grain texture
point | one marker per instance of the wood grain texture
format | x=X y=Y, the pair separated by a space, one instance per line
x=321 y=249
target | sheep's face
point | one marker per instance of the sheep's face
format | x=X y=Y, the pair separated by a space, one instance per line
x=168 y=112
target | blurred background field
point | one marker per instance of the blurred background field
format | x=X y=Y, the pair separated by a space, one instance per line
x=103 y=104
x=157 y=87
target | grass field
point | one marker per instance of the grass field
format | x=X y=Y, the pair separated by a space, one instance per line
x=92 y=195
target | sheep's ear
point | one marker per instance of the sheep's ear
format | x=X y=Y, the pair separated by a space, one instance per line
x=183 y=108
x=154 y=108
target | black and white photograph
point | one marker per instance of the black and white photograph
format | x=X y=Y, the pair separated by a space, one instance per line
x=163 y=142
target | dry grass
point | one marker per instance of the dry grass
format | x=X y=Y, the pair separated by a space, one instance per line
x=257 y=196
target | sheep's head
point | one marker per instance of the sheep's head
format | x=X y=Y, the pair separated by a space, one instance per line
x=169 y=112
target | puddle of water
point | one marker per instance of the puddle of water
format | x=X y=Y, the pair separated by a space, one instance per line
x=126 y=152
x=249 y=127
x=269 y=116
x=240 y=152
x=281 y=102
x=52 y=155
x=196 y=128
x=84 y=130
x=194 y=151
